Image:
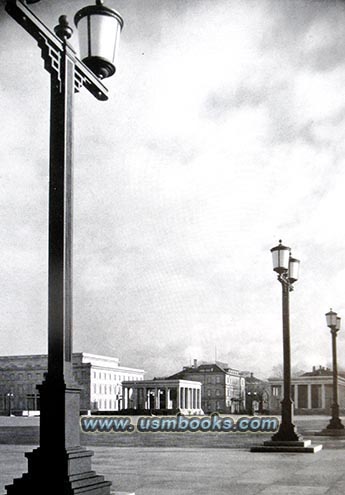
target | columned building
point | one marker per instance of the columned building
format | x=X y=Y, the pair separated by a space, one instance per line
x=163 y=394
x=311 y=392
x=100 y=379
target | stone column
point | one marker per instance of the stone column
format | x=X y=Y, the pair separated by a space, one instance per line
x=323 y=396
x=309 y=396
x=167 y=398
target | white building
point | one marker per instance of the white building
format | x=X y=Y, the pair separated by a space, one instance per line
x=161 y=394
x=100 y=379
x=106 y=377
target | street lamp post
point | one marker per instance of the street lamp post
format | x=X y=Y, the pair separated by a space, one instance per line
x=60 y=465
x=9 y=396
x=288 y=271
x=333 y=323
x=286 y=439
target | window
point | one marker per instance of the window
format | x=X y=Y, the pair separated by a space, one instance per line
x=217 y=379
x=208 y=393
x=217 y=393
x=276 y=391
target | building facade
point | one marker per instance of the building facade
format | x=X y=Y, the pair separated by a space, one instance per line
x=257 y=394
x=222 y=388
x=160 y=395
x=311 y=392
x=100 y=379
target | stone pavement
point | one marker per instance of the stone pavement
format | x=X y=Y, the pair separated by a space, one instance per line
x=193 y=464
x=208 y=471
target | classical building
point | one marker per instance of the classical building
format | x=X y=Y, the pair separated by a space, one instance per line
x=100 y=379
x=222 y=388
x=163 y=395
x=311 y=392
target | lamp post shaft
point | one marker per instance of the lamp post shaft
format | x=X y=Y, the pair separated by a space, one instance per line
x=335 y=367
x=287 y=430
x=335 y=422
x=59 y=393
x=287 y=402
x=60 y=225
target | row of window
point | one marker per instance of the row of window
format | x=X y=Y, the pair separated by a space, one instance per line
x=113 y=376
x=107 y=389
x=21 y=376
x=108 y=404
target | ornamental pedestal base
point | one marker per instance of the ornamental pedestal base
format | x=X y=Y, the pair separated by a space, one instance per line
x=303 y=446
x=47 y=474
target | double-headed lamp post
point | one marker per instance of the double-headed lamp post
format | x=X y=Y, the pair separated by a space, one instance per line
x=60 y=465
x=333 y=323
x=287 y=268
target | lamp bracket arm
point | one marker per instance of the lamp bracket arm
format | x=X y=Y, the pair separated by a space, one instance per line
x=283 y=279
x=53 y=49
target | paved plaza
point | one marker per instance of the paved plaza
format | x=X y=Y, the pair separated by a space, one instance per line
x=206 y=468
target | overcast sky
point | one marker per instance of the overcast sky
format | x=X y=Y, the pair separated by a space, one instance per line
x=224 y=132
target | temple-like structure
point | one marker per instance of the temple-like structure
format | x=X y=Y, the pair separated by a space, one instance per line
x=157 y=395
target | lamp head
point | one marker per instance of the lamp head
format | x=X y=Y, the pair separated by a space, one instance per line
x=280 y=258
x=99 y=33
x=331 y=319
x=293 y=273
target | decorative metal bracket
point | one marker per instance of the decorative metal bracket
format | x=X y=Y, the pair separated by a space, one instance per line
x=284 y=280
x=53 y=48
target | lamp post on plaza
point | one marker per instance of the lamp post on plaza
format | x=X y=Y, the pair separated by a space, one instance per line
x=9 y=396
x=335 y=425
x=288 y=271
x=60 y=464
x=286 y=439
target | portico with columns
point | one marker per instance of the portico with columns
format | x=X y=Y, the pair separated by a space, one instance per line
x=311 y=391
x=163 y=394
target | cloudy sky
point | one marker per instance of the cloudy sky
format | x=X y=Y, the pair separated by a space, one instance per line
x=224 y=132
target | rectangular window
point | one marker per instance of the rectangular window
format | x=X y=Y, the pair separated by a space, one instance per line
x=276 y=390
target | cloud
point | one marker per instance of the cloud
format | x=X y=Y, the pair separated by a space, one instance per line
x=223 y=133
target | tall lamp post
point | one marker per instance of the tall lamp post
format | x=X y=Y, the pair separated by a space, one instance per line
x=60 y=464
x=288 y=271
x=9 y=396
x=335 y=425
x=286 y=438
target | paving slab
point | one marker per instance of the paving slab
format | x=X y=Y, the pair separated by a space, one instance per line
x=204 y=468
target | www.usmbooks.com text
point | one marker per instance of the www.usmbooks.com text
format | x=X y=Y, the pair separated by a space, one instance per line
x=179 y=423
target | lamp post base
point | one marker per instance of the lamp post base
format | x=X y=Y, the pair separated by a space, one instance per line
x=72 y=476
x=287 y=433
x=303 y=446
x=335 y=428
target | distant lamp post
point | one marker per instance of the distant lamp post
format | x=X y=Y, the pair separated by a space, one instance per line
x=60 y=464
x=333 y=323
x=286 y=439
x=9 y=396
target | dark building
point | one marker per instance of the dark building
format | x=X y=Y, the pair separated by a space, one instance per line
x=257 y=394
